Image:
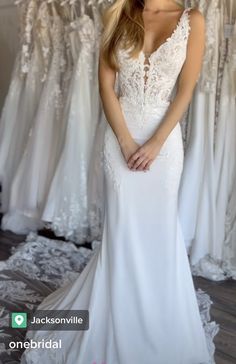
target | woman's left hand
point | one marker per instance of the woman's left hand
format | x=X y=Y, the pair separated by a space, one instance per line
x=142 y=159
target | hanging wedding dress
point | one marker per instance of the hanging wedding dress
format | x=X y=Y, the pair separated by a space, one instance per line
x=7 y=127
x=95 y=172
x=197 y=204
x=33 y=176
x=226 y=161
x=22 y=98
x=67 y=203
x=137 y=286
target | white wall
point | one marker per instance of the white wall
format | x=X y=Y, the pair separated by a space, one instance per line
x=8 y=44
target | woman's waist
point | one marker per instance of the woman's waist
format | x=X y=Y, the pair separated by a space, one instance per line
x=142 y=120
x=143 y=106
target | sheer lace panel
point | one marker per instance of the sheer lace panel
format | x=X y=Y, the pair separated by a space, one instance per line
x=149 y=81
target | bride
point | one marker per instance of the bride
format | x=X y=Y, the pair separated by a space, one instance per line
x=138 y=286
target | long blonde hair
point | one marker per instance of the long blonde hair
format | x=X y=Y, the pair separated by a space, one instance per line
x=122 y=22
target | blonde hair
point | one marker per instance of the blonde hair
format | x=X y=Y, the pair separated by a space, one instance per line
x=123 y=23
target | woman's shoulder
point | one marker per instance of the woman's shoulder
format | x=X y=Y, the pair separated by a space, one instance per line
x=195 y=14
x=196 y=18
x=197 y=31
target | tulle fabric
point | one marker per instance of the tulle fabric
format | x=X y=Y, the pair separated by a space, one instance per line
x=67 y=208
x=37 y=166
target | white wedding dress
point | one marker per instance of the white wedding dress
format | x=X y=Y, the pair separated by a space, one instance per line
x=197 y=199
x=225 y=160
x=66 y=208
x=137 y=285
x=35 y=171
x=22 y=99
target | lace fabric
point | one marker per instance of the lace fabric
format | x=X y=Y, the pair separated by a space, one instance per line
x=146 y=94
x=67 y=211
x=24 y=93
x=210 y=227
x=208 y=78
x=37 y=164
x=30 y=274
x=150 y=88
x=58 y=71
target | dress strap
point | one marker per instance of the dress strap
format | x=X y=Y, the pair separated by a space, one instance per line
x=188 y=27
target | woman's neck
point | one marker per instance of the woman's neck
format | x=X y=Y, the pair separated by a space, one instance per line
x=159 y=5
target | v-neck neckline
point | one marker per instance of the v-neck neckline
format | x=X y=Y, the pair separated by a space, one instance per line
x=167 y=39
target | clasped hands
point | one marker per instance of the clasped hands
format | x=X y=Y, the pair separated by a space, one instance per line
x=140 y=157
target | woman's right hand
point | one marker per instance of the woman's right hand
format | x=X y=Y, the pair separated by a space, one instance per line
x=129 y=148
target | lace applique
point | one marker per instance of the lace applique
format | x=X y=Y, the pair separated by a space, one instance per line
x=42 y=32
x=149 y=84
x=208 y=77
x=112 y=158
x=86 y=32
x=30 y=275
x=173 y=150
x=27 y=37
x=145 y=85
x=74 y=219
x=56 y=69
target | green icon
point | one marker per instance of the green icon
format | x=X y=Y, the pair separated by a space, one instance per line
x=19 y=320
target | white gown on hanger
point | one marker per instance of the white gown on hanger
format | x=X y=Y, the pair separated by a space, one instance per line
x=67 y=203
x=96 y=175
x=22 y=99
x=197 y=200
x=8 y=133
x=225 y=160
x=137 y=286
x=33 y=176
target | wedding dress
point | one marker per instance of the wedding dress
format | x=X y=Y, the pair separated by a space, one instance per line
x=74 y=204
x=207 y=205
x=137 y=286
x=197 y=205
x=24 y=93
x=33 y=176
x=226 y=162
x=67 y=203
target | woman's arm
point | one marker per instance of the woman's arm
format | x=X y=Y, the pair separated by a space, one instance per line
x=112 y=109
x=142 y=159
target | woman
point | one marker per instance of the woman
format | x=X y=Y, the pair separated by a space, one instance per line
x=138 y=286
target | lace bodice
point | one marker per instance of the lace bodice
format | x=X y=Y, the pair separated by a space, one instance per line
x=149 y=82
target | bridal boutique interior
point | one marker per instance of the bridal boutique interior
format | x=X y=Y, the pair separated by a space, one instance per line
x=51 y=138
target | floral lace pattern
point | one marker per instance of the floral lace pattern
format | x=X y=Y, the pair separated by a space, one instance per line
x=149 y=88
x=30 y=275
x=69 y=190
x=112 y=154
x=144 y=88
x=208 y=78
x=27 y=37
x=86 y=32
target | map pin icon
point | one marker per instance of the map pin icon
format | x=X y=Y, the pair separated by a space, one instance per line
x=19 y=319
